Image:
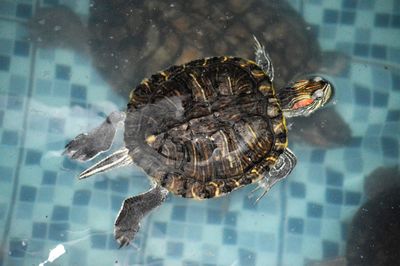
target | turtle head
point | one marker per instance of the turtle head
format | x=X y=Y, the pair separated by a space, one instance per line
x=303 y=97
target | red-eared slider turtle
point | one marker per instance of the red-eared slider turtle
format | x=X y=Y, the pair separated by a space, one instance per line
x=201 y=130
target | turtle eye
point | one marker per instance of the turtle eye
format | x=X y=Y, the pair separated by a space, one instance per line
x=318 y=94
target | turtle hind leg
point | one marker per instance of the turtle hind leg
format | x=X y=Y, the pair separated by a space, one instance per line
x=133 y=210
x=282 y=168
x=263 y=59
x=88 y=145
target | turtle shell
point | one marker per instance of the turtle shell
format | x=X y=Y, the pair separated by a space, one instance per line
x=207 y=127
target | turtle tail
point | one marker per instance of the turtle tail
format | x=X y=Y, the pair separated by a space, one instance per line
x=117 y=159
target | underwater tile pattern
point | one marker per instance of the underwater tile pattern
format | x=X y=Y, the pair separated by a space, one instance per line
x=47 y=96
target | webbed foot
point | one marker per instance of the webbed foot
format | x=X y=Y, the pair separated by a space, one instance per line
x=282 y=168
x=88 y=145
x=132 y=212
x=263 y=59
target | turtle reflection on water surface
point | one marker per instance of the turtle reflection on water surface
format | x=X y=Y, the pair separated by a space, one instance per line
x=129 y=40
x=201 y=130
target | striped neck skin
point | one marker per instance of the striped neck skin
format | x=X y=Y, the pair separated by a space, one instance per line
x=305 y=96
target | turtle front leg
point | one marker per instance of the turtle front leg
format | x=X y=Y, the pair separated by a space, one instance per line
x=88 y=145
x=263 y=59
x=282 y=168
x=132 y=212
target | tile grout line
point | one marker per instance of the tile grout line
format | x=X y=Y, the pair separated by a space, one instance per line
x=12 y=205
x=281 y=233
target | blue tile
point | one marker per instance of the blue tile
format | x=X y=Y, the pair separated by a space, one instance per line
x=120 y=185
x=56 y=125
x=393 y=116
x=390 y=147
x=194 y=232
x=353 y=160
x=331 y=16
x=7 y=173
x=159 y=229
x=378 y=51
x=334 y=178
x=175 y=230
x=380 y=99
x=58 y=231
x=295 y=225
x=39 y=230
x=17 y=249
x=78 y=92
x=349 y=4
x=150 y=260
x=101 y=184
x=21 y=48
x=98 y=240
x=395 y=81
x=60 y=213
x=231 y=218
x=362 y=95
x=347 y=17
x=313 y=227
x=24 y=11
x=27 y=193
x=382 y=20
x=116 y=202
x=330 y=249
x=175 y=249
x=15 y=103
x=352 y=198
x=366 y=4
x=247 y=257
x=214 y=216
x=9 y=137
x=297 y=190
x=49 y=178
x=3 y=211
x=363 y=35
x=229 y=236
x=33 y=157
x=4 y=63
x=7 y=9
x=63 y=72
x=318 y=156
x=1 y=117
x=249 y=203
x=344 y=230
x=18 y=85
x=69 y=164
x=361 y=49
x=81 y=197
x=314 y=210
x=179 y=213
x=51 y=2
x=395 y=21
x=355 y=142
x=334 y=196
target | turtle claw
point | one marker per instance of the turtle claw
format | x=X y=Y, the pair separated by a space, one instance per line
x=86 y=146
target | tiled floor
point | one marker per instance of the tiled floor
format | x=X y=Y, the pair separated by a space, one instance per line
x=48 y=96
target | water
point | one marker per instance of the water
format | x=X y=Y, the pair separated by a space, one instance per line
x=49 y=95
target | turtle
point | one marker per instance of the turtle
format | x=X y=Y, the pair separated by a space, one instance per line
x=128 y=40
x=201 y=130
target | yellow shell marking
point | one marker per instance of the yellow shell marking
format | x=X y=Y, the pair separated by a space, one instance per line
x=150 y=139
x=217 y=190
x=194 y=194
